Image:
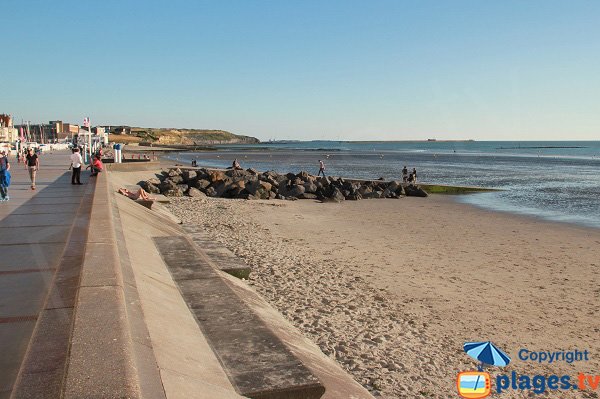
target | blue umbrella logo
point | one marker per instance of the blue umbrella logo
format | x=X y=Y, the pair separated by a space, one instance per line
x=486 y=353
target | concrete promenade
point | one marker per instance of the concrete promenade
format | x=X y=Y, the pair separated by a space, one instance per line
x=93 y=304
x=42 y=237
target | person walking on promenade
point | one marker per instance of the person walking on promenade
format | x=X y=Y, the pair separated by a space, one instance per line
x=321 y=168
x=76 y=162
x=32 y=164
x=4 y=176
x=404 y=174
x=414 y=173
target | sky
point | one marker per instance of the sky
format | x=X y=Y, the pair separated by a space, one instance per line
x=339 y=70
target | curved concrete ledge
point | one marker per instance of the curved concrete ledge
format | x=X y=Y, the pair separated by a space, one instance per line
x=105 y=360
x=188 y=360
x=116 y=325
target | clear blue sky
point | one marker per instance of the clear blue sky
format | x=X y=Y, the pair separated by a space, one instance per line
x=387 y=70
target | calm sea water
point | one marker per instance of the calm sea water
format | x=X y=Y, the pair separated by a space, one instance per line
x=553 y=180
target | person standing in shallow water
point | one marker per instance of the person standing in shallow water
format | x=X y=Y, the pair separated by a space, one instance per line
x=414 y=173
x=404 y=174
x=32 y=164
x=321 y=168
x=76 y=162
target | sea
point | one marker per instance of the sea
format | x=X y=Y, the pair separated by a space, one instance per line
x=553 y=180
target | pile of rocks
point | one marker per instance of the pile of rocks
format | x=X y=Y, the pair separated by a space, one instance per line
x=251 y=184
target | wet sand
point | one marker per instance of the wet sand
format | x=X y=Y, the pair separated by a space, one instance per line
x=393 y=288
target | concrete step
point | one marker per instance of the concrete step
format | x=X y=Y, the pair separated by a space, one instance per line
x=258 y=363
x=223 y=259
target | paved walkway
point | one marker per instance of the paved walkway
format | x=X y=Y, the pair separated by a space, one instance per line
x=35 y=227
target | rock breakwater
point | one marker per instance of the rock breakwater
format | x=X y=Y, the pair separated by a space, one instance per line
x=251 y=184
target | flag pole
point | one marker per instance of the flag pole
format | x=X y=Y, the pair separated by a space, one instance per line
x=90 y=141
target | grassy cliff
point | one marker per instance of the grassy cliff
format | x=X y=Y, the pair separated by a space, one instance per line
x=183 y=136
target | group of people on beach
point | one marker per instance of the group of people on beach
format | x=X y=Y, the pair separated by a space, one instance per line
x=410 y=178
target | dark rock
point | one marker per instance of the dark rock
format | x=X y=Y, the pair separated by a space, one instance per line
x=252 y=171
x=272 y=195
x=167 y=185
x=237 y=173
x=176 y=192
x=256 y=185
x=202 y=173
x=189 y=175
x=322 y=181
x=280 y=178
x=202 y=184
x=365 y=190
x=414 y=191
x=310 y=187
x=273 y=182
x=183 y=187
x=215 y=176
x=176 y=179
x=234 y=192
x=304 y=175
x=155 y=181
x=174 y=172
x=194 y=192
x=211 y=192
x=354 y=197
x=291 y=191
x=221 y=187
x=387 y=193
x=394 y=185
x=152 y=189
x=337 y=195
x=270 y=174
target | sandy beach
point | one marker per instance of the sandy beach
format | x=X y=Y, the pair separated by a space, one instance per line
x=392 y=289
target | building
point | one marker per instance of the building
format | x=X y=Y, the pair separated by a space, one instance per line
x=8 y=134
x=58 y=127
x=6 y=120
x=41 y=133
x=69 y=130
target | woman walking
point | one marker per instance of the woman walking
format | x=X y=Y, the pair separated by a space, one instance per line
x=32 y=164
x=4 y=176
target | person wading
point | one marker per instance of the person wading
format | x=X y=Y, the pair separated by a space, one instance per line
x=32 y=164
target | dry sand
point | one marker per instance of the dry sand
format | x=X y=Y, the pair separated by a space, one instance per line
x=393 y=288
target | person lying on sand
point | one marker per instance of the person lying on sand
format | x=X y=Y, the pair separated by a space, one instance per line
x=140 y=194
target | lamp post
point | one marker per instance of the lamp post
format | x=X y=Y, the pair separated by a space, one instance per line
x=86 y=123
